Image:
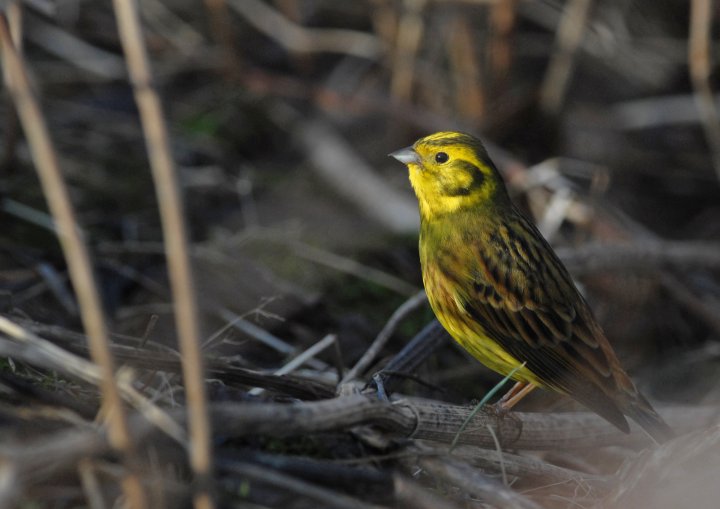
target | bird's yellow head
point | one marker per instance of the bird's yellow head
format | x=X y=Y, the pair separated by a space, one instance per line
x=451 y=171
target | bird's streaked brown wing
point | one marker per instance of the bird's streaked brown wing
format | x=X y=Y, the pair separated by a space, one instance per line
x=524 y=299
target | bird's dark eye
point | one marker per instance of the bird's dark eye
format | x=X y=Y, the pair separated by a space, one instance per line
x=441 y=157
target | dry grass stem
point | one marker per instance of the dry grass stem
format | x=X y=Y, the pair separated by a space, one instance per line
x=340 y=166
x=413 y=494
x=91 y=485
x=176 y=245
x=409 y=35
x=469 y=93
x=222 y=31
x=40 y=352
x=352 y=267
x=460 y=474
x=76 y=255
x=259 y=334
x=301 y=359
x=516 y=465
x=699 y=59
x=503 y=16
x=305 y=40
x=567 y=40
x=77 y=52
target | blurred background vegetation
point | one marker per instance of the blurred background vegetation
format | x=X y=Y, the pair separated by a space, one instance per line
x=601 y=116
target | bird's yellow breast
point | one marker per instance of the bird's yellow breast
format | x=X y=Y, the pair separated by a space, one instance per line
x=449 y=308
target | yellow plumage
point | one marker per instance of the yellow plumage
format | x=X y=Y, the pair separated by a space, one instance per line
x=498 y=288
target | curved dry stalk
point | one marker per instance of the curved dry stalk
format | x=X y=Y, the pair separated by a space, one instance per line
x=76 y=255
x=176 y=245
x=407 y=307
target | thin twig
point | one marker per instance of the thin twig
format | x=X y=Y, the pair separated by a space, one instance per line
x=384 y=335
x=412 y=494
x=90 y=485
x=526 y=468
x=293 y=485
x=259 y=334
x=176 y=245
x=498 y=449
x=75 y=51
x=8 y=484
x=657 y=111
x=306 y=40
x=301 y=359
x=473 y=481
x=42 y=353
x=76 y=255
x=420 y=347
x=567 y=40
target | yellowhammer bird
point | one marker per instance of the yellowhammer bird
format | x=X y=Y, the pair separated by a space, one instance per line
x=499 y=289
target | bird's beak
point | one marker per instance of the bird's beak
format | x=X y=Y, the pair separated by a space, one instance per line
x=406 y=156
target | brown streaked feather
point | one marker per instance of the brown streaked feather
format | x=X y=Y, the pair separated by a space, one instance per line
x=536 y=315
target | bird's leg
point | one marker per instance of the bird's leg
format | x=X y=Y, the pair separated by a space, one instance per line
x=514 y=395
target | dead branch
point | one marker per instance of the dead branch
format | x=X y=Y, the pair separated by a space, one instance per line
x=647 y=255
x=40 y=352
x=474 y=482
x=293 y=485
x=410 y=418
x=525 y=467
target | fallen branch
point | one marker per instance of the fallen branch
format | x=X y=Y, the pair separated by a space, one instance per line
x=409 y=418
x=595 y=257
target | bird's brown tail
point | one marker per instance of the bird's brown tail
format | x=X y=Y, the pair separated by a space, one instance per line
x=643 y=413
